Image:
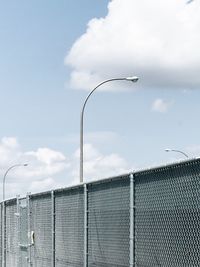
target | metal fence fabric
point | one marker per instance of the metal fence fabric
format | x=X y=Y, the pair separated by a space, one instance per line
x=41 y=225
x=22 y=225
x=69 y=227
x=108 y=223
x=147 y=219
x=1 y=234
x=167 y=219
x=11 y=233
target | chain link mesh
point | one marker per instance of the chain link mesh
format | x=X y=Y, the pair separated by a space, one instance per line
x=1 y=233
x=108 y=223
x=166 y=222
x=22 y=245
x=41 y=225
x=69 y=227
x=11 y=233
x=167 y=218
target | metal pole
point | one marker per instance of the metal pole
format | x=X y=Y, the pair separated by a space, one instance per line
x=18 y=230
x=53 y=214
x=4 y=234
x=131 y=221
x=1 y=224
x=85 y=226
x=133 y=79
x=29 y=228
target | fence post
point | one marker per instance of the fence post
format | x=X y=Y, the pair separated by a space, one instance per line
x=53 y=214
x=132 y=220
x=4 y=234
x=29 y=228
x=85 y=226
x=1 y=205
x=18 y=230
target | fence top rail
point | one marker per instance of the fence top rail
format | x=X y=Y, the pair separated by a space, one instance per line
x=57 y=190
x=138 y=172
x=176 y=164
x=78 y=186
x=10 y=201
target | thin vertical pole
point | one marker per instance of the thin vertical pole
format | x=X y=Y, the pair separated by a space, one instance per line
x=53 y=214
x=132 y=207
x=29 y=228
x=1 y=205
x=85 y=226
x=4 y=234
x=18 y=230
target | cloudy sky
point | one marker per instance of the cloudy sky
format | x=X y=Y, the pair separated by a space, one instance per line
x=53 y=52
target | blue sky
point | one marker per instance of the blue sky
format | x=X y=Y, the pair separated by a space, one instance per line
x=50 y=57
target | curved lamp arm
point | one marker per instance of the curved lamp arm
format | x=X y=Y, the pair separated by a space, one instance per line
x=175 y=150
x=4 y=177
x=132 y=79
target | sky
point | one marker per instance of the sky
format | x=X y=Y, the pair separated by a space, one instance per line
x=52 y=53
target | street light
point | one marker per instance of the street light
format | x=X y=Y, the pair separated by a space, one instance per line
x=132 y=79
x=175 y=150
x=3 y=213
x=4 y=178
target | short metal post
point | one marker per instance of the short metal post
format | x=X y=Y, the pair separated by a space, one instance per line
x=53 y=217
x=85 y=226
x=4 y=234
x=29 y=228
x=1 y=205
x=18 y=230
x=132 y=226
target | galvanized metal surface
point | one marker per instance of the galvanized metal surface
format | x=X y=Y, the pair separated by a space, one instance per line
x=108 y=223
x=167 y=216
x=53 y=217
x=23 y=228
x=41 y=225
x=131 y=247
x=85 y=226
x=11 y=234
x=1 y=207
x=149 y=218
x=69 y=227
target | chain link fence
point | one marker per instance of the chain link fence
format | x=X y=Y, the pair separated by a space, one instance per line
x=167 y=219
x=147 y=218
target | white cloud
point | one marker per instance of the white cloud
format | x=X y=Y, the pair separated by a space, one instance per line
x=9 y=150
x=43 y=166
x=47 y=155
x=161 y=105
x=49 y=169
x=156 y=40
x=43 y=185
x=97 y=165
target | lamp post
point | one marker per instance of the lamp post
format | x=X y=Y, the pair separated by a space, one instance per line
x=4 y=178
x=175 y=150
x=3 y=214
x=132 y=79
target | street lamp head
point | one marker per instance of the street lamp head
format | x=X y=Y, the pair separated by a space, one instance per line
x=167 y=149
x=133 y=79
